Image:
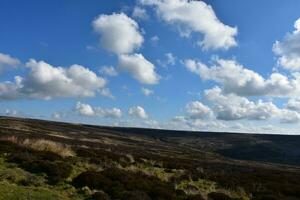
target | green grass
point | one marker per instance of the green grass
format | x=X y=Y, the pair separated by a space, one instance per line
x=12 y=180
x=195 y=187
x=15 y=192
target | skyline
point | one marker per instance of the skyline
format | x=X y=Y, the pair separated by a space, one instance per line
x=171 y=64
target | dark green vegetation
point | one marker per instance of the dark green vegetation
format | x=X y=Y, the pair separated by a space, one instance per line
x=50 y=160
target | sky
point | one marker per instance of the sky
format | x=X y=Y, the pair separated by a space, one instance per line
x=206 y=65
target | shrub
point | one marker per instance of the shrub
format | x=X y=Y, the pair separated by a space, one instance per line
x=136 y=195
x=43 y=162
x=121 y=184
x=100 y=196
x=218 y=196
x=56 y=171
x=195 y=197
x=92 y=179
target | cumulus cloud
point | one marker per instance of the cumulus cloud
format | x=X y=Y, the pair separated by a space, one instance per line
x=147 y=92
x=139 y=68
x=84 y=109
x=289 y=116
x=179 y=118
x=11 y=90
x=118 y=33
x=7 y=60
x=89 y=111
x=195 y=16
x=211 y=125
x=288 y=49
x=108 y=70
x=197 y=110
x=232 y=107
x=140 y=13
x=138 y=112
x=196 y=124
x=293 y=104
x=45 y=81
x=235 y=78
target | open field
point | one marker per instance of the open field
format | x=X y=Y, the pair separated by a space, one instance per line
x=51 y=160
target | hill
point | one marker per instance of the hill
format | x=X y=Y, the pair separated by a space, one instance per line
x=53 y=160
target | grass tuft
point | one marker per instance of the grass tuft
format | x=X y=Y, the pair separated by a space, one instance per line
x=41 y=145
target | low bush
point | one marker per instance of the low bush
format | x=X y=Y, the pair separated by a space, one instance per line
x=136 y=195
x=43 y=162
x=121 y=184
x=195 y=197
x=100 y=196
x=218 y=196
x=56 y=171
x=92 y=179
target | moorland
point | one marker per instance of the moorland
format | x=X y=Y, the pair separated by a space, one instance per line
x=54 y=160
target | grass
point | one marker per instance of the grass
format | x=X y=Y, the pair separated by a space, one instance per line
x=18 y=184
x=149 y=170
x=15 y=192
x=195 y=187
x=41 y=145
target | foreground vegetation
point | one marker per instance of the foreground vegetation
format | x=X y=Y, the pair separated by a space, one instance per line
x=47 y=160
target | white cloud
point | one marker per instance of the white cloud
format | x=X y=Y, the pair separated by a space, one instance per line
x=289 y=116
x=147 y=92
x=138 y=111
x=140 y=13
x=108 y=70
x=196 y=110
x=58 y=115
x=45 y=81
x=10 y=90
x=140 y=68
x=89 y=111
x=293 y=104
x=233 y=107
x=235 y=78
x=13 y=113
x=170 y=60
x=154 y=39
x=211 y=125
x=195 y=16
x=179 y=118
x=7 y=60
x=288 y=50
x=106 y=93
x=118 y=33
x=195 y=124
x=84 y=109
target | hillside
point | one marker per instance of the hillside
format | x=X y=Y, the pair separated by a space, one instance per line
x=53 y=160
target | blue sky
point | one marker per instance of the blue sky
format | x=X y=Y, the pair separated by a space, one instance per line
x=176 y=64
